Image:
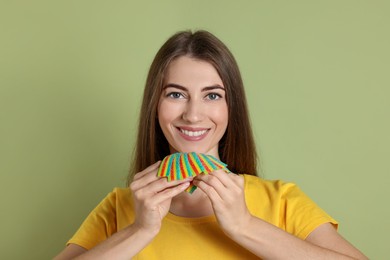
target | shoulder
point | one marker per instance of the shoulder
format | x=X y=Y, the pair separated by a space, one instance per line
x=271 y=193
x=281 y=204
x=113 y=213
x=114 y=199
x=117 y=194
x=120 y=193
x=255 y=184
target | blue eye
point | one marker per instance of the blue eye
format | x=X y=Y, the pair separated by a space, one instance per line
x=213 y=96
x=175 y=95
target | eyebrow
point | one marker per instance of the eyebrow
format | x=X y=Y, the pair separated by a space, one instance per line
x=173 y=85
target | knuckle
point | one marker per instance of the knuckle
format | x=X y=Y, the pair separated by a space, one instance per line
x=213 y=180
x=206 y=188
x=137 y=196
x=162 y=181
x=133 y=186
x=138 y=175
x=171 y=192
x=238 y=190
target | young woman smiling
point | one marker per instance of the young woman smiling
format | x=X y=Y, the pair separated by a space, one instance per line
x=194 y=101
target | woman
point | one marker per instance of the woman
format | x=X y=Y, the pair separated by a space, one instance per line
x=194 y=101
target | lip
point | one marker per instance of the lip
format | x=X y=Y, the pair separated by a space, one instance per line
x=193 y=129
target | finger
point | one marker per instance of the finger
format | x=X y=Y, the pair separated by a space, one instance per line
x=169 y=193
x=147 y=170
x=143 y=182
x=149 y=176
x=225 y=178
x=146 y=178
x=232 y=181
x=162 y=184
x=214 y=182
x=154 y=185
x=210 y=191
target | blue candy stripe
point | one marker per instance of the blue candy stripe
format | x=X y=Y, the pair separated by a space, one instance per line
x=169 y=166
x=178 y=170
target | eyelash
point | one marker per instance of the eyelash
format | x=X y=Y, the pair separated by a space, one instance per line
x=171 y=95
x=218 y=96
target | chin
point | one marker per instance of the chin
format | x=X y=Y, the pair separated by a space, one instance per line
x=192 y=149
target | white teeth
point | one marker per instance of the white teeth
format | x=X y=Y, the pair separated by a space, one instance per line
x=193 y=133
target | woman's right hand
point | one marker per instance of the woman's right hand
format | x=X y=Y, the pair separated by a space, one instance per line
x=152 y=197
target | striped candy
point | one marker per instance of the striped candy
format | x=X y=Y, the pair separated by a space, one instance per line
x=179 y=166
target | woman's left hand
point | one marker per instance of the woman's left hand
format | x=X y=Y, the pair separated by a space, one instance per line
x=226 y=193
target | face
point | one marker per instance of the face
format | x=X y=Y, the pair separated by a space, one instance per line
x=192 y=110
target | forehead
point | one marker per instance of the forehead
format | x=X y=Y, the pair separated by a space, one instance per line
x=186 y=70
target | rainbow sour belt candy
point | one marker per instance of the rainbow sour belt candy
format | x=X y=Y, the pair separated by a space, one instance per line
x=179 y=166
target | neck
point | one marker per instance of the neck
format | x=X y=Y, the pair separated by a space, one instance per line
x=193 y=205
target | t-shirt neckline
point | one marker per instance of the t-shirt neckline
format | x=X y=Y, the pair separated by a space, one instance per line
x=198 y=220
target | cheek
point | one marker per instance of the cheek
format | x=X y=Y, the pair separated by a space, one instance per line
x=220 y=116
x=161 y=115
x=166 y=113
x=162 y=119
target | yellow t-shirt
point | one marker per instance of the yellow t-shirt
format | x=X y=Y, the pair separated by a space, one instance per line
x=281 y=204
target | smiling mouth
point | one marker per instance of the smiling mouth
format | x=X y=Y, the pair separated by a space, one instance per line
x=193 y=133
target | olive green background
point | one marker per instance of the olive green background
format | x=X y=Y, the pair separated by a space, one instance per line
x=71 y=77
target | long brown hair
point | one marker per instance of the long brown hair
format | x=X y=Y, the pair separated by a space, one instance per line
x=236 y=147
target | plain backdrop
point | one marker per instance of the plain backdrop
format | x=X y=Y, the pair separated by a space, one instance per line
x=72 y=73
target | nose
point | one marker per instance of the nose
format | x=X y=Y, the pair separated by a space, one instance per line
x=193 y=111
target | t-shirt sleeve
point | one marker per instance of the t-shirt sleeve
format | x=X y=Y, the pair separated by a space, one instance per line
x=301 y=215
x=99 y=225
